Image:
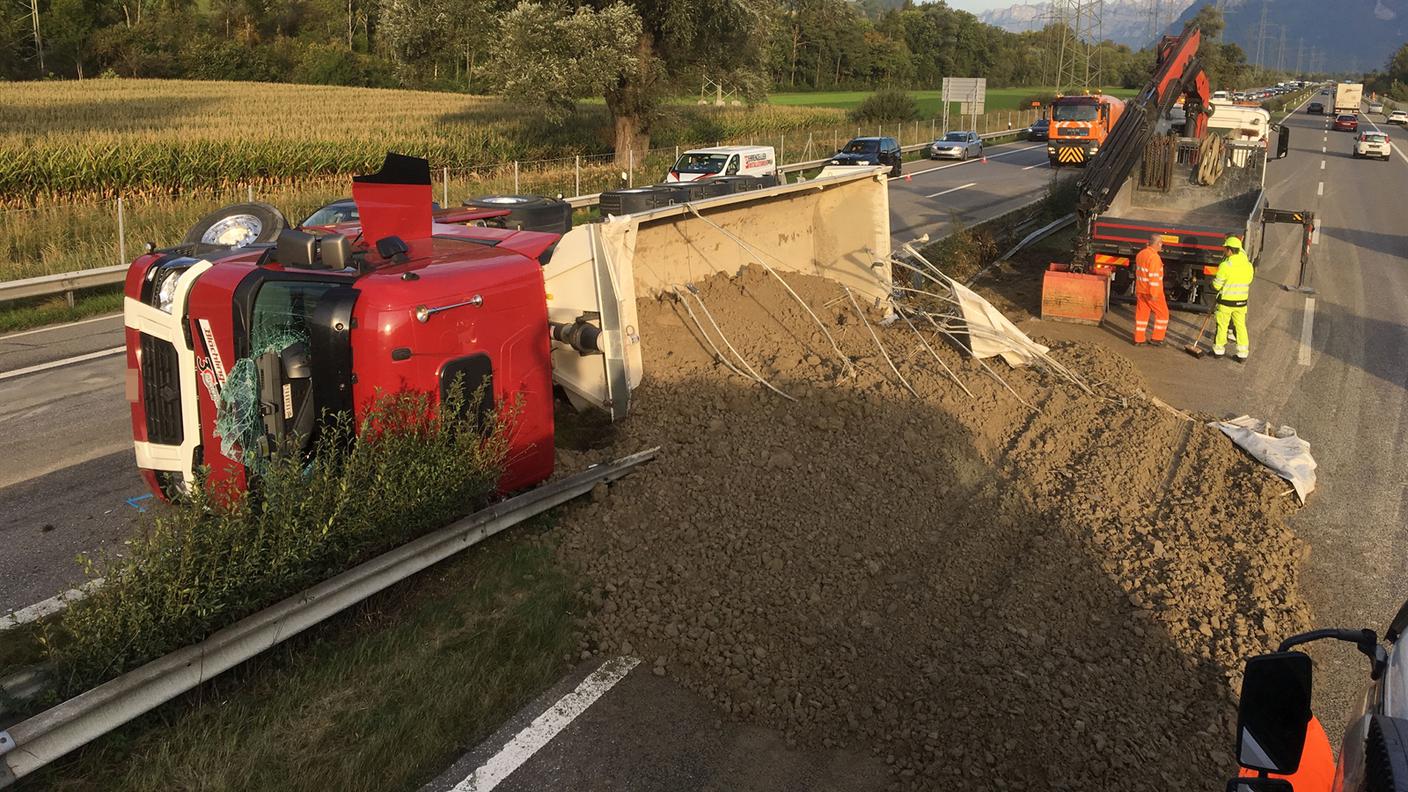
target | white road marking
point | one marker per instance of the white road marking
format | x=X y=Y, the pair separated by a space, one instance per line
x=971 y=161
x=1315 y=232
x=65 y=362
x=1307 y=325
x=48 y=607
x=1038 y=165
x=61 y=326
x=952 y=189
x=1322 y=164
x=1320 y=188
x=1322 y=149
x=547 y=726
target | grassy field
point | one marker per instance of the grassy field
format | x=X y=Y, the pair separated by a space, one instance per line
x=928 y=101
x=382 y=697
x=102 y=138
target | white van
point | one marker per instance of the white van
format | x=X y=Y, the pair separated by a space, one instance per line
x=723 y=161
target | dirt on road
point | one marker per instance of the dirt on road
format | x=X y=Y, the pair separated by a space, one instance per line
x=984 y=594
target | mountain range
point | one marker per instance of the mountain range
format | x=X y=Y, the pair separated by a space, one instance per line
x=1348 y=36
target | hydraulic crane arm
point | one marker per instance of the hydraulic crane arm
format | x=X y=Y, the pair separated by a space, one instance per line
x=1179 y=73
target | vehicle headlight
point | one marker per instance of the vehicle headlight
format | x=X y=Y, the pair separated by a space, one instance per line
x=1050 y=149
x=164 y=286
x=1094 y=149
x=862 y=162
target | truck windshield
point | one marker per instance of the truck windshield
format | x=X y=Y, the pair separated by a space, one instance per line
x=1075 y=112
x=281 y=312
x=700 y=162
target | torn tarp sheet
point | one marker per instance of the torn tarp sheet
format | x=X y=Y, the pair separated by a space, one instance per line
x=991 y=334
x=1284 y=451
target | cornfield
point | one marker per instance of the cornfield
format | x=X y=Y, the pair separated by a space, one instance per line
x=102 y=138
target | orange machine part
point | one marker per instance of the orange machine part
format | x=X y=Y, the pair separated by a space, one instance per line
x=1073 y=297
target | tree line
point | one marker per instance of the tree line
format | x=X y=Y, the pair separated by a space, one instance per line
x=634 y=54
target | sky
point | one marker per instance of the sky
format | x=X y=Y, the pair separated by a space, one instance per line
x=984 y=5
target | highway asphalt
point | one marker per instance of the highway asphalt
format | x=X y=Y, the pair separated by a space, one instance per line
x=1331 y=365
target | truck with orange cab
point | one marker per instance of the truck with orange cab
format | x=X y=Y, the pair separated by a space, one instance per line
x=1079 y=126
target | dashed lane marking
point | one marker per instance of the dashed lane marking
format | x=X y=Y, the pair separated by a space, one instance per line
x=1320 y=188
x=547 y=726
x=53 y=364
x=952 y=189
x=1307 y=326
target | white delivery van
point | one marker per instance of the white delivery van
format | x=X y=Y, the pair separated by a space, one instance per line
x=723 y=161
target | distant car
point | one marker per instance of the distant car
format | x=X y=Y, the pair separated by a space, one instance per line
x=1039 y=130
x=1376 y=107
x=1315 y=108
x=1346 y=123
x=871 y=151
x=1372 y=144
x=957 y=145
x=1398 y=117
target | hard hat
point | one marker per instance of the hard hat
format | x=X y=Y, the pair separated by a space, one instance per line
x=1233 y=242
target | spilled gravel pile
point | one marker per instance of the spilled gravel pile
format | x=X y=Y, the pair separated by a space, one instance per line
x=985 y=595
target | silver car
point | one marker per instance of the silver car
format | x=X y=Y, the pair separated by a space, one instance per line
x=957 y=145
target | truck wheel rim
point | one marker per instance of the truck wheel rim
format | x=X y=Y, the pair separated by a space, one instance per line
x=233 y=231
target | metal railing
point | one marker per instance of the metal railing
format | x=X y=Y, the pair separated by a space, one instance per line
x=39 y=740
x=66 y=283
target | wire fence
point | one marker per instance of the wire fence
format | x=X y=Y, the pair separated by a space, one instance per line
x=78 y=235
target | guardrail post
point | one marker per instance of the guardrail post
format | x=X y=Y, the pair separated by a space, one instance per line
x=121 y=238
x=782 y=147
x=577 y=171
x=515 y=177
x=445 y=187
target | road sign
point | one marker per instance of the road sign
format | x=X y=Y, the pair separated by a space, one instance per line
x=969 y=92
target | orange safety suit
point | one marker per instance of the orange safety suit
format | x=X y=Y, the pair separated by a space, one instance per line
x=1149 y=296
x=1317 y=762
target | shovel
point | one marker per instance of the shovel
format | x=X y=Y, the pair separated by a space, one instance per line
x=1193 y=348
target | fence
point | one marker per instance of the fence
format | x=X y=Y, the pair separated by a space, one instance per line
x=63 y=240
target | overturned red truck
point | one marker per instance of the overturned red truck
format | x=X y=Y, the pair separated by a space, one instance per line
x=243 y=340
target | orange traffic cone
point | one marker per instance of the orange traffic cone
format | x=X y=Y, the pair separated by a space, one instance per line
x=909 y=177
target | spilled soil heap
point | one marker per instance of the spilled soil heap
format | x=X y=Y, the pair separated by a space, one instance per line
x=983 y=594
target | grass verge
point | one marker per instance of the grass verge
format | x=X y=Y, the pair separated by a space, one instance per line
x=39 y=312
x=928 y=101
x=380 y=698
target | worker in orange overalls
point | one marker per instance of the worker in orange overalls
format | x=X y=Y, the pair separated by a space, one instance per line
x=1149 y=293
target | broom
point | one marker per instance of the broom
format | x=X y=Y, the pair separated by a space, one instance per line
x=1193 y=348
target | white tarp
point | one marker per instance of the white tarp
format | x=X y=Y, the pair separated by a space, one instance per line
x=1282 y=451
x=991 y=334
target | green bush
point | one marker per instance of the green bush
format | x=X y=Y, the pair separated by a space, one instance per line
x=886 y=105
x=334 y=64
x=215 y=558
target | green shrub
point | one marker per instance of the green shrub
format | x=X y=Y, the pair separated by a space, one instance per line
x=886 y=105
x=213 y=559
x=334 y=64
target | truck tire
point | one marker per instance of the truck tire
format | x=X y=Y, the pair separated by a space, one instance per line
x=635 y=199
x=740 y=184
x=237 y=225
x=528 y=212
x=685 y=192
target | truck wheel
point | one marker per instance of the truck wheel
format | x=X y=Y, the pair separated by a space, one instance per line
x=635 y=199
x=237 y=225
x=528 y=212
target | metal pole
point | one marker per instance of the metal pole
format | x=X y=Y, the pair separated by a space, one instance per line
x=515 y=177
x=249 y=193
x=445 y=187
x=782 y=147
x=121 y=233
x=630 y=167
x=577 y=170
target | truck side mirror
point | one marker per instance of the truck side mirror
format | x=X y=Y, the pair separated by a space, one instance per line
x=1283 y=142
x=1274 y=712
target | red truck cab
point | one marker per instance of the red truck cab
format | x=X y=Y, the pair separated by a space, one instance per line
x=234 y=352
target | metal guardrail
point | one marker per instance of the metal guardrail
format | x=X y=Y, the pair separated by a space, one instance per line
x=67 y=283
x=33 y=743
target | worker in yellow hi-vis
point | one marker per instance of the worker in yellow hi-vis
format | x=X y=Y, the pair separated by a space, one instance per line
x=1233 y=285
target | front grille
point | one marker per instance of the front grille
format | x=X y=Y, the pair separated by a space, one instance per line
x=161 y=391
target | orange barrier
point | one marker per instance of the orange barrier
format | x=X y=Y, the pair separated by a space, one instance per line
x=1073 y=297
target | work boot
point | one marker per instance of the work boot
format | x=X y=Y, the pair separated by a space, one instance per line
x=1156 y=343
x=1240 y=359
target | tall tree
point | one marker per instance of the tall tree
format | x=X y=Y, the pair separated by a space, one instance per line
x=677 y=40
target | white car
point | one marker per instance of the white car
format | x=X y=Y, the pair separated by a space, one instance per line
x=1372 y=144
x=1376 y=107
x=957 y=145
x=1398 y=117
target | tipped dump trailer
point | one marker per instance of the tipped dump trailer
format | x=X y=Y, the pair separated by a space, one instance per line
x=245 y=340
x=1348 y=98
